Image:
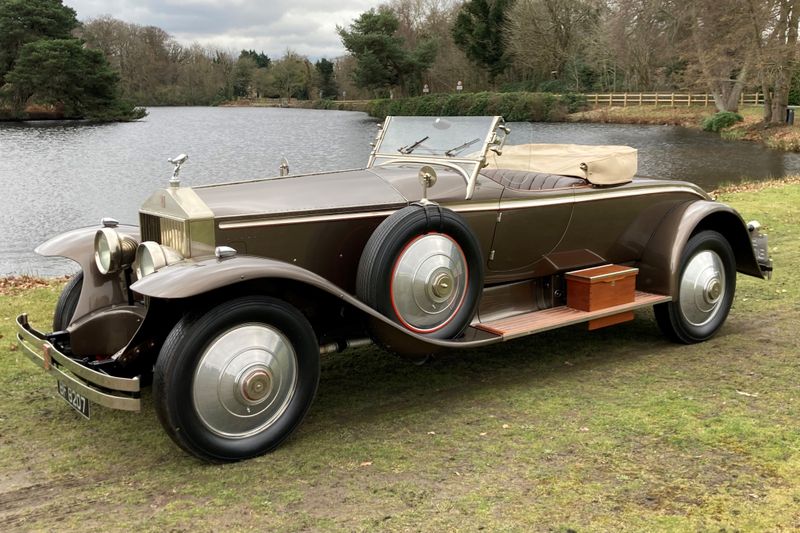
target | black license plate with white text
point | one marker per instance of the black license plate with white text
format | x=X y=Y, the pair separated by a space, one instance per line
x=77 y=401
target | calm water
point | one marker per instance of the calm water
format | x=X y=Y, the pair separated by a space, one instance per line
x=55 y=177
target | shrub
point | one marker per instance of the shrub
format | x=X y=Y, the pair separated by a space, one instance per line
x=721 y=120
x=514 y=106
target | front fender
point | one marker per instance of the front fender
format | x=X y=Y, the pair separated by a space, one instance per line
x=193 y=278
x=98 y=290
x=660 y=264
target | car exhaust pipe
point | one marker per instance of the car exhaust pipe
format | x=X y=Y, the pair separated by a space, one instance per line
x=338 y=347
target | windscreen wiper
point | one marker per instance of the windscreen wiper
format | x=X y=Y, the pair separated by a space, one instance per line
x=453 y=151
x=410 y=148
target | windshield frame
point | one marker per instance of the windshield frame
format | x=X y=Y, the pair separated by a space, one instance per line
x=493 y=139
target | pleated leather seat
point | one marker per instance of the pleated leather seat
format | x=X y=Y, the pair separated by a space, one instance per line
x=523 y=180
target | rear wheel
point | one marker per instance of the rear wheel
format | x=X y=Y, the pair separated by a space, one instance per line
x=68 y=302
x=706 y=286
x=234 y=382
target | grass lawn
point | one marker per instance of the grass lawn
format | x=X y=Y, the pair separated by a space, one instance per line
x=569 y=430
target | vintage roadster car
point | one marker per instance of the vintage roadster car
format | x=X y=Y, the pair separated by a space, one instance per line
x=226 y=295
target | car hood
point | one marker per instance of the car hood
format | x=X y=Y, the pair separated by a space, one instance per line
x=328 y=192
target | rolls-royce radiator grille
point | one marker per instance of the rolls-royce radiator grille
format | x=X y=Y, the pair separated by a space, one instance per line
x=166 y=231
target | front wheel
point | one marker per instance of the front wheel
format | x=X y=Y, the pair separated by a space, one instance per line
x=68 y=302
x=234 y=382
x=706 y=286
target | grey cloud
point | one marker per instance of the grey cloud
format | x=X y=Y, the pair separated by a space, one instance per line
x=306 y=26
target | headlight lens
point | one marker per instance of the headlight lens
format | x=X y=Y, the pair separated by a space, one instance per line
x=151 y=256
x=112 y=251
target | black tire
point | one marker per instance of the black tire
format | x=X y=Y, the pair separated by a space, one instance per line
x=672 y=321
x=67 y=302
x=390 y=240
x=174 y=377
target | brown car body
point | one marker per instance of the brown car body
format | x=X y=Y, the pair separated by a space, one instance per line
x=300 y=238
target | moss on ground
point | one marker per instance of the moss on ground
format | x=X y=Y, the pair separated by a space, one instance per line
x=569 y=430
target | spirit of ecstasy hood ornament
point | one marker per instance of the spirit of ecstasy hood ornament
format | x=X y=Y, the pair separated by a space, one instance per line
x=177 y=161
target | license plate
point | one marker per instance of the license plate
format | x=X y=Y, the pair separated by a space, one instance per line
x=78 y=402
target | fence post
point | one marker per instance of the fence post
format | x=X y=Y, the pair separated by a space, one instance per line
x=625 y=100
x=672 y=100
x=705 y=104
x=689 y=104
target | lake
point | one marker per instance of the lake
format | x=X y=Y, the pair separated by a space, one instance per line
x=59 y=176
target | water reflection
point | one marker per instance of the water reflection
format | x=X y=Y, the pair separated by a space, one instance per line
x=59 y=176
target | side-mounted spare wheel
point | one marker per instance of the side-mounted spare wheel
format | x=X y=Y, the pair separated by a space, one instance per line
x=235 y=381
x=706 y=285
x=423 y=268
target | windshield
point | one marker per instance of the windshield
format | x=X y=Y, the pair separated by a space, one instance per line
x=447 y=137
x=458 y=143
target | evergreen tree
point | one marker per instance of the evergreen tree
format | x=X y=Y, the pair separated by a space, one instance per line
x=25 y=21
x=382 y=58
x=327 y=83
x=62 y=71
x=261 y=59
x=39 y=62
x=480 y=31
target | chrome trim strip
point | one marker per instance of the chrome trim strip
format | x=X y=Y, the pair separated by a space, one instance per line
x=302 y=220
x=32 y=343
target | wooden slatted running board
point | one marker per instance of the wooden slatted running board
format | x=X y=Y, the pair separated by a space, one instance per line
x=557 y=317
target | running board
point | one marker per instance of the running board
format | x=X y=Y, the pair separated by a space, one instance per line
x=558 y=317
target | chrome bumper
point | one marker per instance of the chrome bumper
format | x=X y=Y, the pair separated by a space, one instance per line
x=99 y=388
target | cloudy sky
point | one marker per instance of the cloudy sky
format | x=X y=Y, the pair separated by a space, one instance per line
x=306 y=26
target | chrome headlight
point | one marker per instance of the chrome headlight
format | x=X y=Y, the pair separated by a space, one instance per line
x=151 y=256
x=112 y=251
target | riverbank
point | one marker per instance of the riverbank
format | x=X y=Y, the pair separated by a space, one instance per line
x=293 y=103
x=569 y=430
x=785 y=138
x=122 y=112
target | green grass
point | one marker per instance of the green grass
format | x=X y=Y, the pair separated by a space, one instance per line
x=569 y=430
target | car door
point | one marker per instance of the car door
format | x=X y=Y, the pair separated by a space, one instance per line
x=530 y=225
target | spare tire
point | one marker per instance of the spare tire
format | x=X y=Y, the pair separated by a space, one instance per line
x=423 y=268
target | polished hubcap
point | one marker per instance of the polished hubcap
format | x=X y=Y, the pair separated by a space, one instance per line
x=702 y=288
x=429 y=282
x=244 y=380
x=256 y=385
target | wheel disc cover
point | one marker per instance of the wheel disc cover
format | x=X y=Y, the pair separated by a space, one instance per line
x=703 y=287
x=429 y=282
x=244 y=380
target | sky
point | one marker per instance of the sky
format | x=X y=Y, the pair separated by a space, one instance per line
x=272 y=26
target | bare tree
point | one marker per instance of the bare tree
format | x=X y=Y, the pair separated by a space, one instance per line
x=549 y=38
x=774 y=38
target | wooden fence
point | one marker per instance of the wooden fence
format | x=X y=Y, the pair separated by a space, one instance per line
x=665 y=99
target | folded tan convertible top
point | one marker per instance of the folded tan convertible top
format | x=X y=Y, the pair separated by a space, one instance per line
x=600 y=165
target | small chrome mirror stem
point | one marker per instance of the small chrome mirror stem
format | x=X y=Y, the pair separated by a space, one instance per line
x=427 y=178
x=177 y=161
x=284 y=168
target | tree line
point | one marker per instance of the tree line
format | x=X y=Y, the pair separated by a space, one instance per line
x=410 y=47
x=720 y=46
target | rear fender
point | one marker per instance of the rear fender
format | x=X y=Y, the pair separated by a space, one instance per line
x=190 y=279
x=660 y=264
x=98 y=290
